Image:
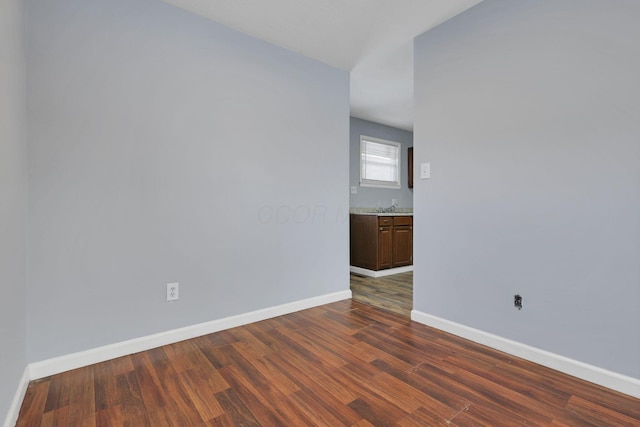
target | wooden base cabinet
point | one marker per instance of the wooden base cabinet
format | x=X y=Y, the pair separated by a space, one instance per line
x=402 y=241
x=385 y=246
x=381 y=242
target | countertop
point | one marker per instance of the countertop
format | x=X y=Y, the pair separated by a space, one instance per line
x=384 y=213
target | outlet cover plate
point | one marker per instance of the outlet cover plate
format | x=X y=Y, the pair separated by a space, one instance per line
x=173 y=291
x=425 y=171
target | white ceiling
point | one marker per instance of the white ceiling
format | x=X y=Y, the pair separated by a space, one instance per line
x=370 y=38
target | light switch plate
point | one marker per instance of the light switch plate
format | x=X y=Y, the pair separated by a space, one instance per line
x=425 y=170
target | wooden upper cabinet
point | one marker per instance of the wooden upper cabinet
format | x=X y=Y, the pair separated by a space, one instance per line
x=410 y=166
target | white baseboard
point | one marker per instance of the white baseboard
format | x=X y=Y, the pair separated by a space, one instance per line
x=56 y=365
x=380 y=273
x=14 y=409
x=613 y=380
x=100 y=354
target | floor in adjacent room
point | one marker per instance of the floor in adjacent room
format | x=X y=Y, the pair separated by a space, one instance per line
x=392 y=293
x=340 y=364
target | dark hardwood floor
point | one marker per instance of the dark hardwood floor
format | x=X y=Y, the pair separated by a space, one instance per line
x=341 y=364
x=392 y=293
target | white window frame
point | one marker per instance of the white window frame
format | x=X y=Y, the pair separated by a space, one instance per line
x=364 y=182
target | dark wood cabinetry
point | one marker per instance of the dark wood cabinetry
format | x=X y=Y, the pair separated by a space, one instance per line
x=402 y=241
x=381 y=242
x=385 y=242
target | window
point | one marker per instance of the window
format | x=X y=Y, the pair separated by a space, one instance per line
x=379 y=163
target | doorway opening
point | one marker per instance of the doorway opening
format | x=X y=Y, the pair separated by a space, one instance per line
x=381 y=215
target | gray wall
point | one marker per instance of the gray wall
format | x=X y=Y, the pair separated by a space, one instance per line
x=378 y=197
x=528 y=112
x=164 y=147
x=12 y=203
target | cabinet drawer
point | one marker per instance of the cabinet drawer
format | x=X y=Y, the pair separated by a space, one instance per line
x=385 y=220
x=402 y=220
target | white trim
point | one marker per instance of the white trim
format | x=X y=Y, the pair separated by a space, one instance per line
x=56 y=365
x=379 y=184
x=14 y=409
x=100 y=354
x=379 y=273
x=594 y=374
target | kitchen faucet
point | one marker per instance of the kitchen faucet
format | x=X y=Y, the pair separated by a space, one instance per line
x=390 y=209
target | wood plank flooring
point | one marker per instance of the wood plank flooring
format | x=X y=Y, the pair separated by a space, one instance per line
x=392 y=293
x=341 y=364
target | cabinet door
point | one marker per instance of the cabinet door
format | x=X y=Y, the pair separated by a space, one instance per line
x=385 y=250
x=402 y=245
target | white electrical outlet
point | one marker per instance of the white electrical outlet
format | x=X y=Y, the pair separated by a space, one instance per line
x=173 y=291
x=394 y=202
